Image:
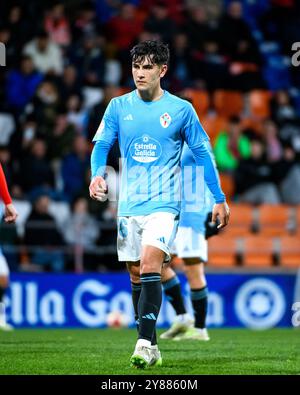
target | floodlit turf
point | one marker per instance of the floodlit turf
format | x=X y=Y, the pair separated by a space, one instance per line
x=230 y=351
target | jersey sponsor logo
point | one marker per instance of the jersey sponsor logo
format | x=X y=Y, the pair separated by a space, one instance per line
x=100 y=130
x=165 y=120
x=145 y=149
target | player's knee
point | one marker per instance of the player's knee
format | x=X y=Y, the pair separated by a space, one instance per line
x=150 y=266
x=134 y=272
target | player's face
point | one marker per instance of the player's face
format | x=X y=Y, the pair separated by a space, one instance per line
x=147 y=75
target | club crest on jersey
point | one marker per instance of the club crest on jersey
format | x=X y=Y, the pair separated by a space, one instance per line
x=165 y=120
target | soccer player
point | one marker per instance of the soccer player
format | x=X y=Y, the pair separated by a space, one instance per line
x=10 y=216
x=151 y=126
x=190 y=245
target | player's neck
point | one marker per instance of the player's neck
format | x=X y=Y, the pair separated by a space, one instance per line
x=154 y=95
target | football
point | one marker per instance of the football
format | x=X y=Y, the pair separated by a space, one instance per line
x=117 y=319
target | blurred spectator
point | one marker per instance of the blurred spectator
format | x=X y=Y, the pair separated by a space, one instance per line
x=89 y=59
x=254 y=177
x=181 y=62
x=282 y=108
x=57 y=25
x=82 y=232
x=85 y=21
x=69 y=84
x=159 y=22
x=7 y=127
x=21 y=84
x=231 y=146
x=77 y=116
x=209 y=68
x=287 y=172
x=35 y=170
x=41 y=234
x=60 y=139
x=123 y=29
x=44 y=107
x=19 y=26
x=46 y=55
x=272 y=142
x=74 y=167
x=233 y=29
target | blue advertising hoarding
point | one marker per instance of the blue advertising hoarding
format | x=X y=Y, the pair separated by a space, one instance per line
x=69 y=300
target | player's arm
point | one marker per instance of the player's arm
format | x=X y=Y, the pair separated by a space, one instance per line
x=10 y=213
x=198 y=142
x=104 y=139
x=204 y=157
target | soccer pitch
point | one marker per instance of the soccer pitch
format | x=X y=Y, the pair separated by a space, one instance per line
x=107 y=351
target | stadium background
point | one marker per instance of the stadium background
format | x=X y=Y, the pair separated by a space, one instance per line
x=64 y=61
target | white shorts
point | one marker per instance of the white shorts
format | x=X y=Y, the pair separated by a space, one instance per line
x=157 y=229
x=190 y=244
x=4 y=269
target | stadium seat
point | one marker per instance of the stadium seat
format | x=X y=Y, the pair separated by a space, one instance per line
x=259 y=102
x=213 y=125
x=23 y=208
x=258 y=251
x=227 y=184
x=273 y=220
x=61 y=212
x=241 y=220
x=228 y=103
x=222 y=251
x=290 y=251
x=200 y=100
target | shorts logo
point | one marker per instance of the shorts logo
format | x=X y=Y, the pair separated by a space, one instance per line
x=145 y=149
x=162 y=240
x=165 y=120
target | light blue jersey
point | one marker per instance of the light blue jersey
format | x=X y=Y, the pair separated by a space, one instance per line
x=194 y=205
x=151 y=136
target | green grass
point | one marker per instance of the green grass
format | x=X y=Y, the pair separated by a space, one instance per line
x=230 y=351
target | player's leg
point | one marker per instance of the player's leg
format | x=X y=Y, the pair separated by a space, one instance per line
x=172 y=290
x=4 y=283
x=194 y=270
x=146 y=351
x=129 y=250
x=159 y=230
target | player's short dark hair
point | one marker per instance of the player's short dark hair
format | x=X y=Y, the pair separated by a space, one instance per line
x=155 y=51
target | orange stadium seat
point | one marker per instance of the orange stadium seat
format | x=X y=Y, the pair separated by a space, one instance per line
x=213 y=125
x=297 y=215
x=290 y=251
x=200 y=100
x=228 y=103
x=259 y=103
x=273 y=219
x=241 y=220
x=227 y=184
x=258 y=251
x=222 y=251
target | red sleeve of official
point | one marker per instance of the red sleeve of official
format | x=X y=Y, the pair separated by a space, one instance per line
x=3 y=188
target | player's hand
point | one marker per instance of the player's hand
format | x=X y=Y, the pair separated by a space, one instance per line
x=98 y=189
x=10 y=214
x=221 y=211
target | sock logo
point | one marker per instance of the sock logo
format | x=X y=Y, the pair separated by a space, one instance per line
x=150 y=316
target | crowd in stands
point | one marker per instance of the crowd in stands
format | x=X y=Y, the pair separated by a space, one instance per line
x=66 y=59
